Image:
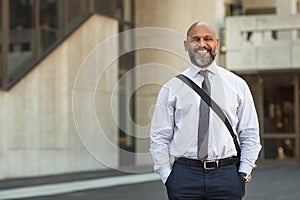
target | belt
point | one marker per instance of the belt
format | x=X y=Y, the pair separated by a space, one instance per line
x=208 y=164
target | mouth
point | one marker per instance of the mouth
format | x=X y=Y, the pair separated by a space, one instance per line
x=203 y=51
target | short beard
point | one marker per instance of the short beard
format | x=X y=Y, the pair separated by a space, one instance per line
x=202 y=61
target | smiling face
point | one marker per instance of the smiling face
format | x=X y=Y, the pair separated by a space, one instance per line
x=201 y=44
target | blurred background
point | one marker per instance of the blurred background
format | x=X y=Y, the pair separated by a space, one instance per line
x=44 y=42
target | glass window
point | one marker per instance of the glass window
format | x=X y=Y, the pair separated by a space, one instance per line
x=34 y=32
x=21 y=36
x=279 y=103
x=279 y=148
x=1 y=43
x=77 y=10
x=127 y=10
x=51 y=23
x=107 y=8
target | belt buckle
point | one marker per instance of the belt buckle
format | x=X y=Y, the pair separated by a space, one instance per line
x=210 y=161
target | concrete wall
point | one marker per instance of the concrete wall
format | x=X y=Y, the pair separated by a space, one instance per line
x=262 y=52
x=179 y=15
x=176 y=15
x=37 y=134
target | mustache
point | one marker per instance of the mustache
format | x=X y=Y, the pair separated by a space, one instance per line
x=202 y=48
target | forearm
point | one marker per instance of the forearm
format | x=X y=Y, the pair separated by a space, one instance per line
x=161 y=134
x=248 y=132
x=250 y=148
x=161 y=159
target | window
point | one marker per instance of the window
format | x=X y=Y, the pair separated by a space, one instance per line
x=1 y=60
x=107 y=8
x=36 y=26
x=276 y=99
x=51 y=23
x=279 y=104
x=121 y=10
x=77 y=9
x=233 y=9
x=33 y=30
x=21 y=36
x=279 y=116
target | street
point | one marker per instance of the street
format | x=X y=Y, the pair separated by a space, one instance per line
x=270 y=182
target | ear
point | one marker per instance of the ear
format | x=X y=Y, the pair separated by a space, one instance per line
x=217 y=45
x=185 y=44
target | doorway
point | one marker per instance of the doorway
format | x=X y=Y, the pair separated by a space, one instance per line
x=276 y=96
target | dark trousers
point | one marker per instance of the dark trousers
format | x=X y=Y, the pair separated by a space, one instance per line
x=195 y=183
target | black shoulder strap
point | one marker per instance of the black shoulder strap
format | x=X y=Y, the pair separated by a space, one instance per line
x=214 y=106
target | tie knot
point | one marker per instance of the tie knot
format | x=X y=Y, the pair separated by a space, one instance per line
x=204 y=73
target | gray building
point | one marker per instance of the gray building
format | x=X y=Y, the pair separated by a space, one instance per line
x=79 y=77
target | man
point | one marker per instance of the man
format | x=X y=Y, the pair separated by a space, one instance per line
x=207 y=163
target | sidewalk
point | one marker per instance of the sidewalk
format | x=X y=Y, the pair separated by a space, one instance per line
x=275 y=182
x=64 y=186
x=63 y=178
x=270 y=182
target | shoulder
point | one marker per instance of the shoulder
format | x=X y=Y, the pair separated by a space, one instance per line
x=173 y=87
x=231 y=76
x=175 y=83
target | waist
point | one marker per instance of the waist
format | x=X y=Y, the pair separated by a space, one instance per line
x=208 y=164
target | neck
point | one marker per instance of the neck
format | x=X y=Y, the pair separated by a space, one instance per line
x=203 y=67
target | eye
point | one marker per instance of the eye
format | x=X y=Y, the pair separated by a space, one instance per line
x=209 y=39
x=195 y=39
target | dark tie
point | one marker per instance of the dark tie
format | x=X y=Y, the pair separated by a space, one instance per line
x=203 y=119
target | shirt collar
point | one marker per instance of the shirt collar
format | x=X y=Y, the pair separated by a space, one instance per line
x=194 y=70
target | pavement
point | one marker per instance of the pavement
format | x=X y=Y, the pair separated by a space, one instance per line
x=270 y=182
x=275 y=182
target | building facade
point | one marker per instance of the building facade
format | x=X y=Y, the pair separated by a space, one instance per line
x=46 y=125
x=263 y=47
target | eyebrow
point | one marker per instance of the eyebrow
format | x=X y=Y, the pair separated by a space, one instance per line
x=197 y=37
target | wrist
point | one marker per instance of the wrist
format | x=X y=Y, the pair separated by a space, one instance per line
x=246 y=177
x=164 y=174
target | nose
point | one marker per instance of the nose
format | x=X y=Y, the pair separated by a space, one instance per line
x=201 y=42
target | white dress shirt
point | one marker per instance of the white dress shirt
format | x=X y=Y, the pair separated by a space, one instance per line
x=174 y=128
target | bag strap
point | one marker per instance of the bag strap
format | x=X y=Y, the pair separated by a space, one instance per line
x=214 y=106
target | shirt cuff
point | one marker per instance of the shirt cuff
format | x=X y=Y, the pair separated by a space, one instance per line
x=164 y=174
x=245 y=167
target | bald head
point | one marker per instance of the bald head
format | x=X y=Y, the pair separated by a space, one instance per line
x=200 y=25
